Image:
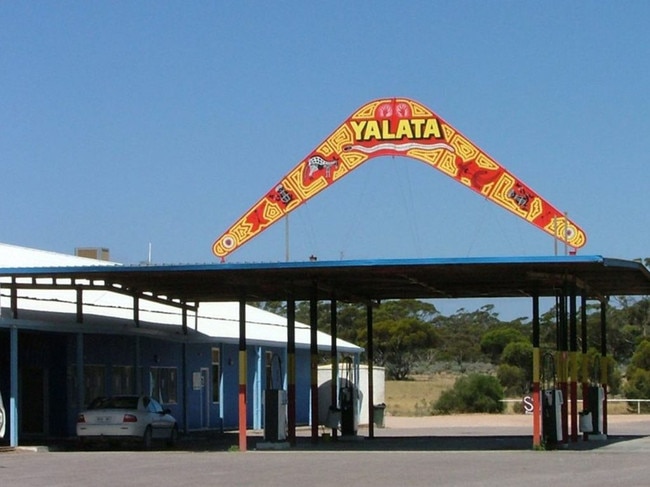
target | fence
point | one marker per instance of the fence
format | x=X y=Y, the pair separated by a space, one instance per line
x=637 y=401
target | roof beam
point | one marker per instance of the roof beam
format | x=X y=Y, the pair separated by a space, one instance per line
x=92 y=286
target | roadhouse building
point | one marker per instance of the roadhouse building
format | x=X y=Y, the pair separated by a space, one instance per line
x=64 y=363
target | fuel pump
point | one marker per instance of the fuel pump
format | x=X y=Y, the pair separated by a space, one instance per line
x=275 y=404
x=596 y=398
x=551 y=400
x=348 y=399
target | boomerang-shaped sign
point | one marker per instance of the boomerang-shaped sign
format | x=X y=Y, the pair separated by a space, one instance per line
x=398 y=127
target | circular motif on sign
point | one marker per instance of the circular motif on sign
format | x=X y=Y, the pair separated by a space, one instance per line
x=570 y=232
x=403 y=110
x=228 y=242
x=385 y=110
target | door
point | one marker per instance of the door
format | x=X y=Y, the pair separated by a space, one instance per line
x=33 y=403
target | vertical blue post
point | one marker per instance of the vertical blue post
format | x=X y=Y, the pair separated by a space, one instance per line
x=13 y=393
x=257 y=389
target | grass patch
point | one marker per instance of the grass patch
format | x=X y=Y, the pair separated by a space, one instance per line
x=414 y=397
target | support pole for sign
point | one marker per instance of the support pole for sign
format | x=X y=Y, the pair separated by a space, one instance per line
x=242 y=374
x=313 y=328
x=537 y=406
x=291 y=369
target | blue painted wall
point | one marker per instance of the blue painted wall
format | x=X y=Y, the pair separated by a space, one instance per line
x=194 y=409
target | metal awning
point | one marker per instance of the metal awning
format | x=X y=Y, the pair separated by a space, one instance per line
x=354 y=281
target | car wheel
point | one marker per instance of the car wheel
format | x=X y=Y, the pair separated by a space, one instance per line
x=173 y=437
x=82 y=443
x=146 y=439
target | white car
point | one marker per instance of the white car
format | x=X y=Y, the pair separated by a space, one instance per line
x=139 y=418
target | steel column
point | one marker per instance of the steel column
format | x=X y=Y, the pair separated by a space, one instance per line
x=573 y=362
x=242 y=375
x=604 y=365
x=81 y=400
x=537 y=406
x=563 y=371
x=291 y=370
x=585 y=350
x=313 y=346
x=334 y=358
x=14 y=299
x=371 y=382
x=13 y=392
x=80 y=305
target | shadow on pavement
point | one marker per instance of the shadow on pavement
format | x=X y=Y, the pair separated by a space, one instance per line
x=229 y=441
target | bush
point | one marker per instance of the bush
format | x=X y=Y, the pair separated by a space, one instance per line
x=638 y=387
x=513 y=379
x=474 y=393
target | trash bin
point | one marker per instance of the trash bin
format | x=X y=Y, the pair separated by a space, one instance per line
x=586 y=423
x=378 y=411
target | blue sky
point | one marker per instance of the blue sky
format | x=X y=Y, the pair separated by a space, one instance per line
x=129 y=123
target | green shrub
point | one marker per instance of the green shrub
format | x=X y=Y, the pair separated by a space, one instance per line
x=513 y=379
x=638 y=387
x=474 y=393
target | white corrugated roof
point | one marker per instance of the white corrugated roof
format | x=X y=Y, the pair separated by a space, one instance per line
x=219 y=321
x=15 y=256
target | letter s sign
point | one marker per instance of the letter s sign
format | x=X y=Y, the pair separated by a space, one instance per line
x=528 y=404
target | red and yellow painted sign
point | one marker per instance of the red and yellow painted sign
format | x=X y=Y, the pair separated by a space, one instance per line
x=398 y=127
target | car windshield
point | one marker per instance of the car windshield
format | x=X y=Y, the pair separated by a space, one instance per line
x=114 y=403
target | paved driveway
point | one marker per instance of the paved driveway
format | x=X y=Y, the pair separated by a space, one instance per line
x=622 y=459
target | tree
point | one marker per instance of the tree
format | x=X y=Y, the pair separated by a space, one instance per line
x=513 y=379
x=516 y=369
x=638 y=373
x=406 y=308
x=493 y=342
x=595 y=362
x=397 y=342
x=474 y=393
x=461 y=334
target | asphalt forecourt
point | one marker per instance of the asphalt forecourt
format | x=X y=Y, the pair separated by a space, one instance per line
x=505 y=468
x=408 y=451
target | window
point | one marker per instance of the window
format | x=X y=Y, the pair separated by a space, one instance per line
x=123 y=380
x=94 y=382
x=154 y=406
x=114 y=403
x=163 y=384
x=216 y=374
